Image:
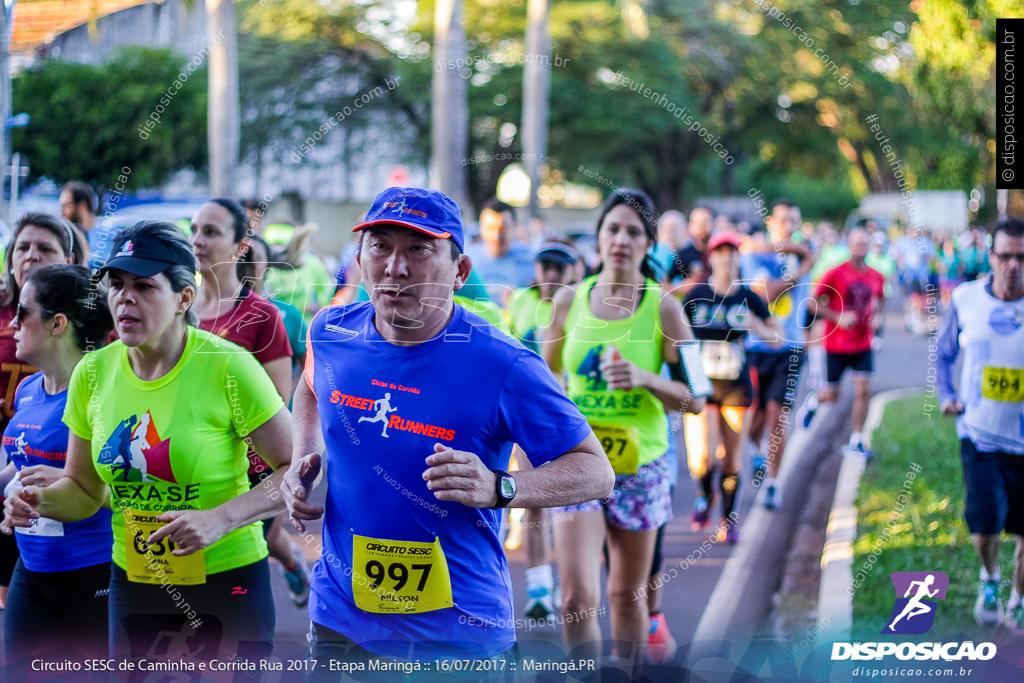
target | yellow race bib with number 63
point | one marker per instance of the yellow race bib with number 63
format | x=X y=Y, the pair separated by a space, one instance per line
x=399 y=577
x=621 y=445
x=1003 y=384
x=154 y=563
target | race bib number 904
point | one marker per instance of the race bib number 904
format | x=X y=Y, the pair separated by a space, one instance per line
x=154 y=563
x=400 y=577
x=1003 y=384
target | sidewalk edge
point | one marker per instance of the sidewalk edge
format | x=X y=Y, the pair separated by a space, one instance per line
x=835 y=603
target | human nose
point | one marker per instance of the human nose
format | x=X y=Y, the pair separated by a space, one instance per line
x=620 y=237
x=396 y=265
x=124 y=295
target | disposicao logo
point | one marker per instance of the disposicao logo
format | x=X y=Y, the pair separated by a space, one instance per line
x=916 y=595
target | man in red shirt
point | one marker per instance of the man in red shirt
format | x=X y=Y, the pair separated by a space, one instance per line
x=851 y=300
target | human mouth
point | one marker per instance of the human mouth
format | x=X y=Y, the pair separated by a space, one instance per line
x=391 y=292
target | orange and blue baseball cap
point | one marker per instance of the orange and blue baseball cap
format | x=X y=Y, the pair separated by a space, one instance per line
x=429 y=212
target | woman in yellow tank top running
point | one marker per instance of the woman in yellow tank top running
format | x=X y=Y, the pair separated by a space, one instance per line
x=610 y=335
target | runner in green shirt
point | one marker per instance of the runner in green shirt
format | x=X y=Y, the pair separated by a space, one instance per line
x=159 y=424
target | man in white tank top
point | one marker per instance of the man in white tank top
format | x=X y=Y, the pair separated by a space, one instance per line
x=985 y=322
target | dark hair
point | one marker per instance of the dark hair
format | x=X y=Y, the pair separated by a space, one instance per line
x=170 y=238
x=64 y=230
x=246 y=266
x=1012 y=227
x=498 y=206
x=643 y=205
x=81 y=192
x=239 y=219
x=68 y=289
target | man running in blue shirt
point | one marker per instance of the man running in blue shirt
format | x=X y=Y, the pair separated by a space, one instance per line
x=412 y=567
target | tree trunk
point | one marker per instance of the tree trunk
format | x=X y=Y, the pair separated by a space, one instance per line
x=224 y=116
x=536 y=89
x=450 y=107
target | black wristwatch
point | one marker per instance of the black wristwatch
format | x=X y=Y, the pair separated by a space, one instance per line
x=505 y=486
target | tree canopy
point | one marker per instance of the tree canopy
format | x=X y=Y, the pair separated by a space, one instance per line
x=134 y=110
x=813 y=99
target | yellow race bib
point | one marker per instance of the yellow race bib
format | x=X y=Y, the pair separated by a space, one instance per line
x=1003 y=384
x=622 y=446
x=782 y=306
x=154 y=563
x=399 y=577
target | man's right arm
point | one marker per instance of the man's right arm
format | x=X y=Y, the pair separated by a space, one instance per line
x=947 y=348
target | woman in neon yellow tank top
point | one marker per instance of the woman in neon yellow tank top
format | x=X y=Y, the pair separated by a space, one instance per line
x=159 y=422
x=610 y=335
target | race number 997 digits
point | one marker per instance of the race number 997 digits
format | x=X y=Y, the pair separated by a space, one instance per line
x=398 y=573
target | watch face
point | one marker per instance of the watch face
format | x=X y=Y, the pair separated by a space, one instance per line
x=508 y=486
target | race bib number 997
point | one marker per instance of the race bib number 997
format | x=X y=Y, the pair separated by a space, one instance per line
x=399 y=577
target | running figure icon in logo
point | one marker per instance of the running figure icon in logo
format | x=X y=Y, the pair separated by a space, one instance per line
x=383 y=407
x=916 y=589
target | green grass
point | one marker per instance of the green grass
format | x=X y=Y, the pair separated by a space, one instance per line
x=931 y=533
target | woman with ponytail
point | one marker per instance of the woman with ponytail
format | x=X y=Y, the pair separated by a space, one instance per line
x=610 y=335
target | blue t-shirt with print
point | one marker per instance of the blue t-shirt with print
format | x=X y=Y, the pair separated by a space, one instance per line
x=382 y=408
x=789 y=309
x=37 y=436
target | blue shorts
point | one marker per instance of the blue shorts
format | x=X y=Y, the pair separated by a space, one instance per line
x=639 y=502
x=995 y=490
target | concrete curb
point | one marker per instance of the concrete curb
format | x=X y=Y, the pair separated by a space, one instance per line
x=835 y=604
x=744 y=590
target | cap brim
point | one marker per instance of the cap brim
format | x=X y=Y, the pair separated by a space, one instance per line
x=555 y=257
x=137 y=266
x=412 y=226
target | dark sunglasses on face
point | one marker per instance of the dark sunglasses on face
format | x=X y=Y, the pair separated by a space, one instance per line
x=22 y=312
